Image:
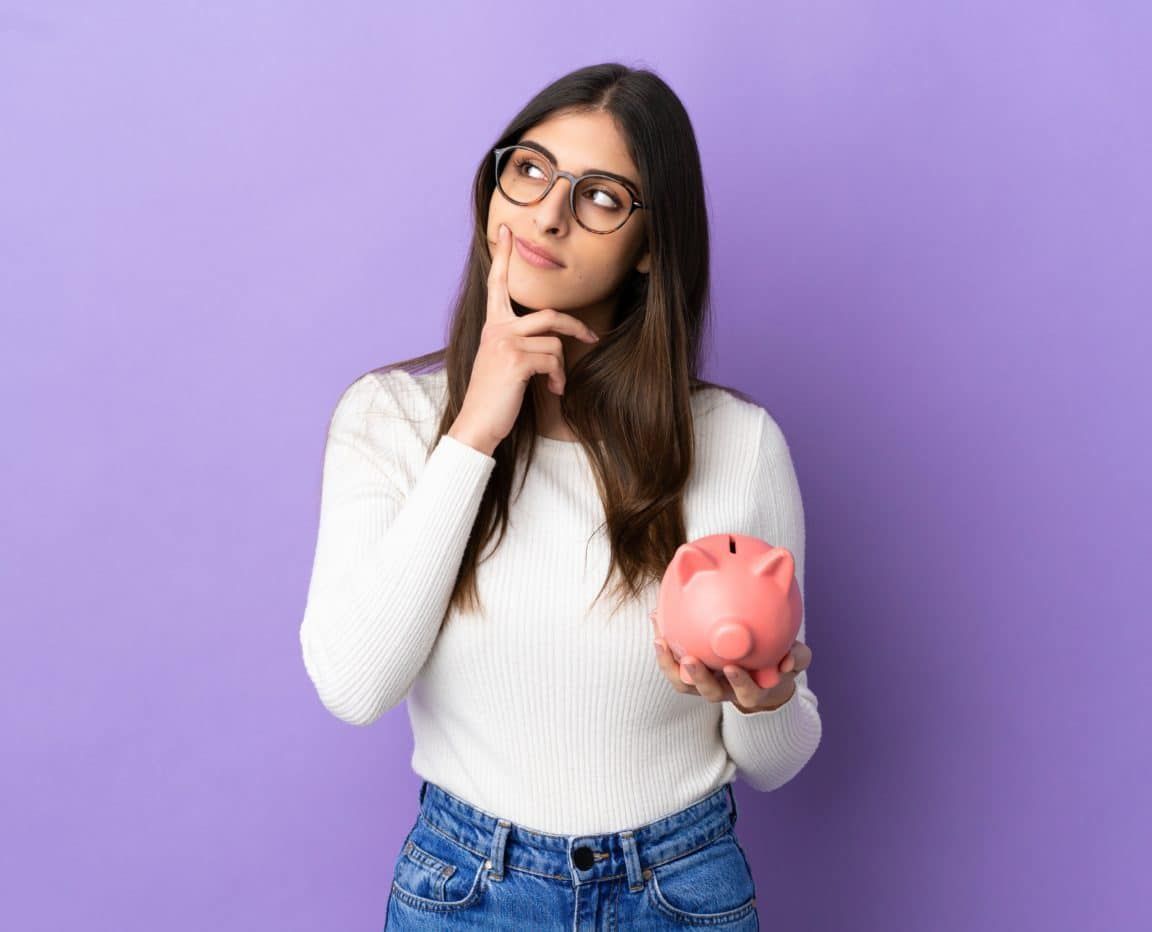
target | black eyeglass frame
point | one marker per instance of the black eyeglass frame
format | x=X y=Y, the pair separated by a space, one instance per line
x=573 y=180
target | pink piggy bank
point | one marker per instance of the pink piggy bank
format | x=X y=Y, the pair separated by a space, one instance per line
x=731 y=599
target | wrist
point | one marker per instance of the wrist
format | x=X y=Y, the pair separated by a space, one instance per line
x=465 y=435
x=767 y=707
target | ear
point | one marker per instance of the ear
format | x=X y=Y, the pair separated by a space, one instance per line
x=644 y=265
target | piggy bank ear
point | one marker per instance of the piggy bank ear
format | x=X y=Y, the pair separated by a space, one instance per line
x=777 y=564
x=689 y=561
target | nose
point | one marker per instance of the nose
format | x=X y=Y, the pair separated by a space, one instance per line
x=554 y=209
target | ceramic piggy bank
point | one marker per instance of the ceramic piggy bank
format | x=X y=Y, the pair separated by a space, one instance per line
x=731 y=599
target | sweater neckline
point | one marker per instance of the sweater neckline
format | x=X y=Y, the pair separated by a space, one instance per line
x=553 y=442
x=565 y=449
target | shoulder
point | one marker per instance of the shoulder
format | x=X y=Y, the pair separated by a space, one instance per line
x=736 y=421
x=392 y=392
x=386 y=397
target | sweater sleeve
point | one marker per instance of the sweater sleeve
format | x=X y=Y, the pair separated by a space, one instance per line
x=772 y=746
x=394 y=522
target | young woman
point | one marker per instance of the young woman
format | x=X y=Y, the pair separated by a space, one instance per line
x=573 y=778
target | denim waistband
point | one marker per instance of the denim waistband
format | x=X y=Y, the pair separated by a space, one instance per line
x=579 y=858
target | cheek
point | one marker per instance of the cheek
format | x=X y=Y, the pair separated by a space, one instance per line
x=598 y=276
x=495 y=218
x=605 y=260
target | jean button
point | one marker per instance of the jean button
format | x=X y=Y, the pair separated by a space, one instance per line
x=582 y=857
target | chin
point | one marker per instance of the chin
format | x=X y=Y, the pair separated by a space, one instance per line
x=520 y=308
x=526 y=299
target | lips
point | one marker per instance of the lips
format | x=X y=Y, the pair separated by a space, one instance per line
x=539 y=250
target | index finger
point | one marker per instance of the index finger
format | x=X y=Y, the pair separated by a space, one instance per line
x=499 y=306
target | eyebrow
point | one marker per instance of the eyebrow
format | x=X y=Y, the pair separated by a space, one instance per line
x=592 y=171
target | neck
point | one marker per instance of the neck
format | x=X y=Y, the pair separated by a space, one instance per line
x=549 y=421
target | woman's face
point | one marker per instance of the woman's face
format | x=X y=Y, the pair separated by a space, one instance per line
x=594 y=264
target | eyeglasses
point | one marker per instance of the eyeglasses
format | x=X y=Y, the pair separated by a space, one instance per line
x=600 y=203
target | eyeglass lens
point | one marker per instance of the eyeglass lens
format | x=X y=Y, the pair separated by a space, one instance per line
x=601 y=203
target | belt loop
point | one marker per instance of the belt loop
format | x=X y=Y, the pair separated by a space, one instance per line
x=732 y=800
x=636 y=872
x=423 y=789
x=496 y=858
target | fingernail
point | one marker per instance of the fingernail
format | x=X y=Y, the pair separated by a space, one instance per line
x=500 y=234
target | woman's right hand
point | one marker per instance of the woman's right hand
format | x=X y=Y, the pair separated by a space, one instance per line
x=512 y=350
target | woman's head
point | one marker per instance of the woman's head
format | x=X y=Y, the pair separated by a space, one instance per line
x=599 y=245
x=643 y=288
x=628 y=122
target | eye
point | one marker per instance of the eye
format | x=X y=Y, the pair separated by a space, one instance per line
x=613 y=202
x=523 y=164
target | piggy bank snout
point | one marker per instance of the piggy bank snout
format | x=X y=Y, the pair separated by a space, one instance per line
x=731 y=639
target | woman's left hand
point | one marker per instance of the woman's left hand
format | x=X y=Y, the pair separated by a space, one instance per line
x=735 y=685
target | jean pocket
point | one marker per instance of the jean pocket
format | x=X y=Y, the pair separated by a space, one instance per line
x=709 y=886
x=434 y=872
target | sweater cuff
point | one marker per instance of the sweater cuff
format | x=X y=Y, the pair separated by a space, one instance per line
x=465 y=454
x=772 y=745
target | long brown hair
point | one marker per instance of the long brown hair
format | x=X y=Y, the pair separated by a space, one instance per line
x=628 y=403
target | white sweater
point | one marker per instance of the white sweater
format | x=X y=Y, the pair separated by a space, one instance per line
x=542 y=711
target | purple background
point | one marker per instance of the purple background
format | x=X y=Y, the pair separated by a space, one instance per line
x=931 y=234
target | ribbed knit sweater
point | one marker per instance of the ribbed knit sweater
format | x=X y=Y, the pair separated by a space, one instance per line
x=542 y=709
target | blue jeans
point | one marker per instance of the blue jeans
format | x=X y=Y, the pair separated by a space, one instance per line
x=460 y=867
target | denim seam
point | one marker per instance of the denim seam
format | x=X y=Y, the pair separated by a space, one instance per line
x=449 y=837
x=452 y=838
x=738 y=912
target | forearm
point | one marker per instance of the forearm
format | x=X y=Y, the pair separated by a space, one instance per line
x=771 y=746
